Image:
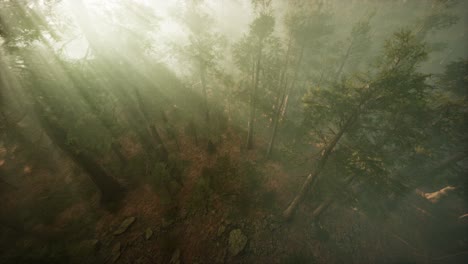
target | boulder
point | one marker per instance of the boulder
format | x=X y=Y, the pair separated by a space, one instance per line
x=148 y=233
x=125 y=225
x=237 y=242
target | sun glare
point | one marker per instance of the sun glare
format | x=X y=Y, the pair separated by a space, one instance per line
x=101 y=15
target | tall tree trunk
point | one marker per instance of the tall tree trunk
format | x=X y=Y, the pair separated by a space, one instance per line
x=275 y=126
x=205 y=94
x=321 y=208
x=293 y=83
x=311 y=178
x=282 y=87
x=282 y=82
x=281 y=111
x=253 y=99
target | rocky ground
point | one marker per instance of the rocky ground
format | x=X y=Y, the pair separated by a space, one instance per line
x=227 y=211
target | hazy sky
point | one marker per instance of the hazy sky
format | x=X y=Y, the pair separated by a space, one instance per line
x=232 y=18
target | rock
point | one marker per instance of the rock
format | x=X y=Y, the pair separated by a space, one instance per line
x=115 y=253
x=125 y=225
x=237 y=242
x=148 y=233
x=175 y=259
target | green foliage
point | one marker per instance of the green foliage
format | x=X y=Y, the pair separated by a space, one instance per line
x=213 y=180
x=262 y=4
x=205 y=46
x=307 y=26
x=389 y=113
x=382 y=115
x=402 y=52
x=455 y=78
x=22 y=23
x=439 y=17
x=262 y=26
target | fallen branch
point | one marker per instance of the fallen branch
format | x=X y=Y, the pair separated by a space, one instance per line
x=434 y=197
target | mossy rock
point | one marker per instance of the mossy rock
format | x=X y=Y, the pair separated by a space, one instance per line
x=237 y=242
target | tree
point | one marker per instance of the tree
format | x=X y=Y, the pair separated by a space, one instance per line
x=125 y=92
x=249 y=53
x=347 y=117
x=44 y=102
x=358 y=43
x=203 y=49
x=307 y=26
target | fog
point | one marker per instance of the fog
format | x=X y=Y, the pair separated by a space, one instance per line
x=233 y=131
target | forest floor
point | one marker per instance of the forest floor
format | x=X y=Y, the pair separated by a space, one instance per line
x=227 y=211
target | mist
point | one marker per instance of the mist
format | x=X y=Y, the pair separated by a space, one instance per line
x=233 y=131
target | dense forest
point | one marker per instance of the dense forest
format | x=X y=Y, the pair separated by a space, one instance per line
x=233 y=131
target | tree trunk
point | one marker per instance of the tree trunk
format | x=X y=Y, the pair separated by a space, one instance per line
x=293 y=83
x=275 y=127
x=321 y=208
x=205 y=94
x=279 y=106
x=287 y=214
x=253 y=102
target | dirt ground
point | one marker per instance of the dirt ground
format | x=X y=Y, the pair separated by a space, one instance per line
x=56 y=217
